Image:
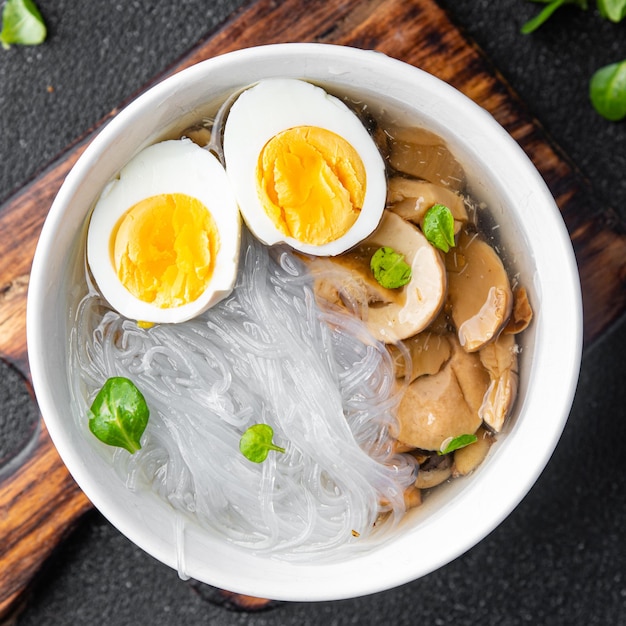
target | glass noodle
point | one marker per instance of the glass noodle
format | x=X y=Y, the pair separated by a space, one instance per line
x=267 y=354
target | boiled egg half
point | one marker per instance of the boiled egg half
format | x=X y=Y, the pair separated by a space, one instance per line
x=305 y=170
x=163 y=239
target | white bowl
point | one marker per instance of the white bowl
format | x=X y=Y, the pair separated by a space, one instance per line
x=458 y=515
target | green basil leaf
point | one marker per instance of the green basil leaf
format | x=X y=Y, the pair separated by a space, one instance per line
x=544 y=15
x=607 y=90
x=119 y=414
x=256 y=443
x=22 y=24
x=389 y=268
x=613 y=10
x=438 y=227
x=454 y=443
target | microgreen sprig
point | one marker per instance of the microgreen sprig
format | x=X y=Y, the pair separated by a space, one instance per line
x=546 y=13
x=607 y=86
x=389 y=268
x=22 y=24
x=455 y=443
x=119 y=414
x=256 y=443
x=607 y=91
x=438 y=227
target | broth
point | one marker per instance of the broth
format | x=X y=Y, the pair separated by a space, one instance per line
x=294 y=347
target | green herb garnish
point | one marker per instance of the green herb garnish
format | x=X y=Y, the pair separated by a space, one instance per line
x=119 y=414
x=613 y=10
x=22 y=24
x=607 y=87
x=438 y=227
x=454 y=443
x=607 y=91
x=543 y=16
x=256 y=443
x=389 y=268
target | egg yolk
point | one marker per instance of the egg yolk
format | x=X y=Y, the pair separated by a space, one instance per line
x=311 y=184
x=164 y=249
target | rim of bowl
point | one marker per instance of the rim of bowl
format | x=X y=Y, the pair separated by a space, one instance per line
x=556 y=357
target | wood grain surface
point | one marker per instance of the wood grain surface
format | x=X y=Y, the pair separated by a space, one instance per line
x=39 y=502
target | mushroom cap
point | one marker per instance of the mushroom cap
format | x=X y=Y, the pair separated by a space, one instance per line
x=427 y=352
x=429 y=477
x=432 y=409
x=522 y=313
x=411 y=199
x=500 y=360
x=423 y=154
x=467 y=459
x=446 y=404
x=390 y=314
x=478 y=291
x=419 y=301
x=471 y=375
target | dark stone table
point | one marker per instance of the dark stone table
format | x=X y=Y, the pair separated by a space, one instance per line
x=560 y=557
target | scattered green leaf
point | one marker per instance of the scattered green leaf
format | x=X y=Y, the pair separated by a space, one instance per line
x=454 y=443
x=613 y=10
x=256 y=443
x=119 y=414
x=22 y=24
x=438 y=227
x=607 y=90
x=544 y=15
x=389 y=268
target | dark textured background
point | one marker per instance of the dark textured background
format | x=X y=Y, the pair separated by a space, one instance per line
x=560 y=557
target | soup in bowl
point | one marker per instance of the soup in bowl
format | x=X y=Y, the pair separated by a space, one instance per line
x=304 y=322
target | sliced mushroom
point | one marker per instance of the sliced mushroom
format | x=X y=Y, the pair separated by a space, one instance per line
x=522 y=313
x=478 y=291
x=434 y=408
x=390 y=314
x=423 y=154
x=467 y=459
x=336 y=285
x=427 y=352
x=412 y=497
x=500 y=359
x=436 y=470
x=427 y=479
x=471 y=375
x=411 y=199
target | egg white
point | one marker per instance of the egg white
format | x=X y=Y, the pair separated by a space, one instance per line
x=168 y=167
x=272 y=106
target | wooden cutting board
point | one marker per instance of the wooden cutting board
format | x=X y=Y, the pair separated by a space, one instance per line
x=39 y=502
